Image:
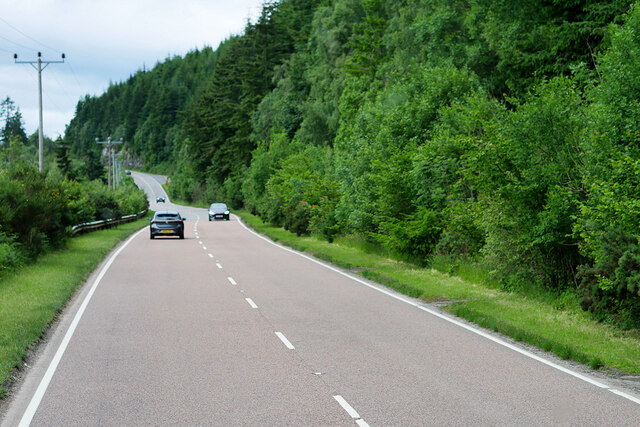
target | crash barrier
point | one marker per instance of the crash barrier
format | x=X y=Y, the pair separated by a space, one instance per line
x=106 y=223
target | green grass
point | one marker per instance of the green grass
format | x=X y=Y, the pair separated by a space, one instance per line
x=554 y=324
x=32 y=297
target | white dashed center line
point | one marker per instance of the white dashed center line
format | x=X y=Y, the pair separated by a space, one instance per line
x=230 y=279
x=210 y=255
x=251 y=303
x=219 y=266
x=286 y=341
x=352 y=412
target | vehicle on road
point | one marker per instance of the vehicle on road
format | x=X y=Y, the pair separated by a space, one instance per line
x=127 y=172
x=159 y=199
x=167 y=223
x=218 y=211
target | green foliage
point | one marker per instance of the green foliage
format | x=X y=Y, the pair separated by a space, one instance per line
x=375 y=153
x=524 y=42
x=13 y=127
x=38 y=210
x=62 y=159
x=415 y=234
x=266 y=160
x=10 y=254
x=609 y=217
x=301 y=193
x=527 y=171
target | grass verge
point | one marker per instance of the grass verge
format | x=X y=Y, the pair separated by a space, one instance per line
x=566 y=331
x=32 y=297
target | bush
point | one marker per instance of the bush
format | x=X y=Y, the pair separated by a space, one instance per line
x=10 y=255
x=416 y=234
x=527 y=173
x=104 y=200
x=611 y=286
x=38 y=210
x=301 y=194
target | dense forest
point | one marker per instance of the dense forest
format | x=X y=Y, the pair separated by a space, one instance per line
x=501 y=131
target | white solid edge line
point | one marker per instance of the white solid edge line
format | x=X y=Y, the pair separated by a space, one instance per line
x=285 y=341
x=362 y=423
x=230 y=279
x=352 y=412
x=623 y=394
x=251 y=303
x=454 y=321
x=44 y=383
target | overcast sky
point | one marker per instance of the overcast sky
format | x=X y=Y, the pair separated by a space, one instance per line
x=104 y=41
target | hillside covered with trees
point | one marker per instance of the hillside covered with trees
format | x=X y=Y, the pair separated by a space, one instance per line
x=504 y=132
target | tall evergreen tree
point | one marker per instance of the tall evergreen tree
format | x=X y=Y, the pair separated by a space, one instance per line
x=62 y=158
x=12 y=117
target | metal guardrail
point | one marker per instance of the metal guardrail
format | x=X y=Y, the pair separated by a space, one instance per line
x=106 y=223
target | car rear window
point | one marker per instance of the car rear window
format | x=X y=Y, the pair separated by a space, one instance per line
x=167 y=216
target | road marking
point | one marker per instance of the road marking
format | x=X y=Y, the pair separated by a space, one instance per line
x=199 y=241
x=251 y=303
x=352 y=412
x=219 y=266
x=210 y=255
x=623 y=394
x=285 y=341
x=230 y=279
x=44 y=383
x=452 y=320
x=204 y=247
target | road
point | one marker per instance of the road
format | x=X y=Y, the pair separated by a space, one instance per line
x=228 y=328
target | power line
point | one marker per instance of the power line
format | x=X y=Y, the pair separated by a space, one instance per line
x=17 y=44
x=29 y=37
x=76 y=78
x=55 y=76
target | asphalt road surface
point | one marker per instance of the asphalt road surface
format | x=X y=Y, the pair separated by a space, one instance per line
x=226 y=328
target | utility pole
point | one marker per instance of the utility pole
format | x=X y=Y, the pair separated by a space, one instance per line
x=110 y=183
x=116 y=171
x=39 y=69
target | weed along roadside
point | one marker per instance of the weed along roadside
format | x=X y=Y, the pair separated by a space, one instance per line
x=34 y=295
x=565 y=331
